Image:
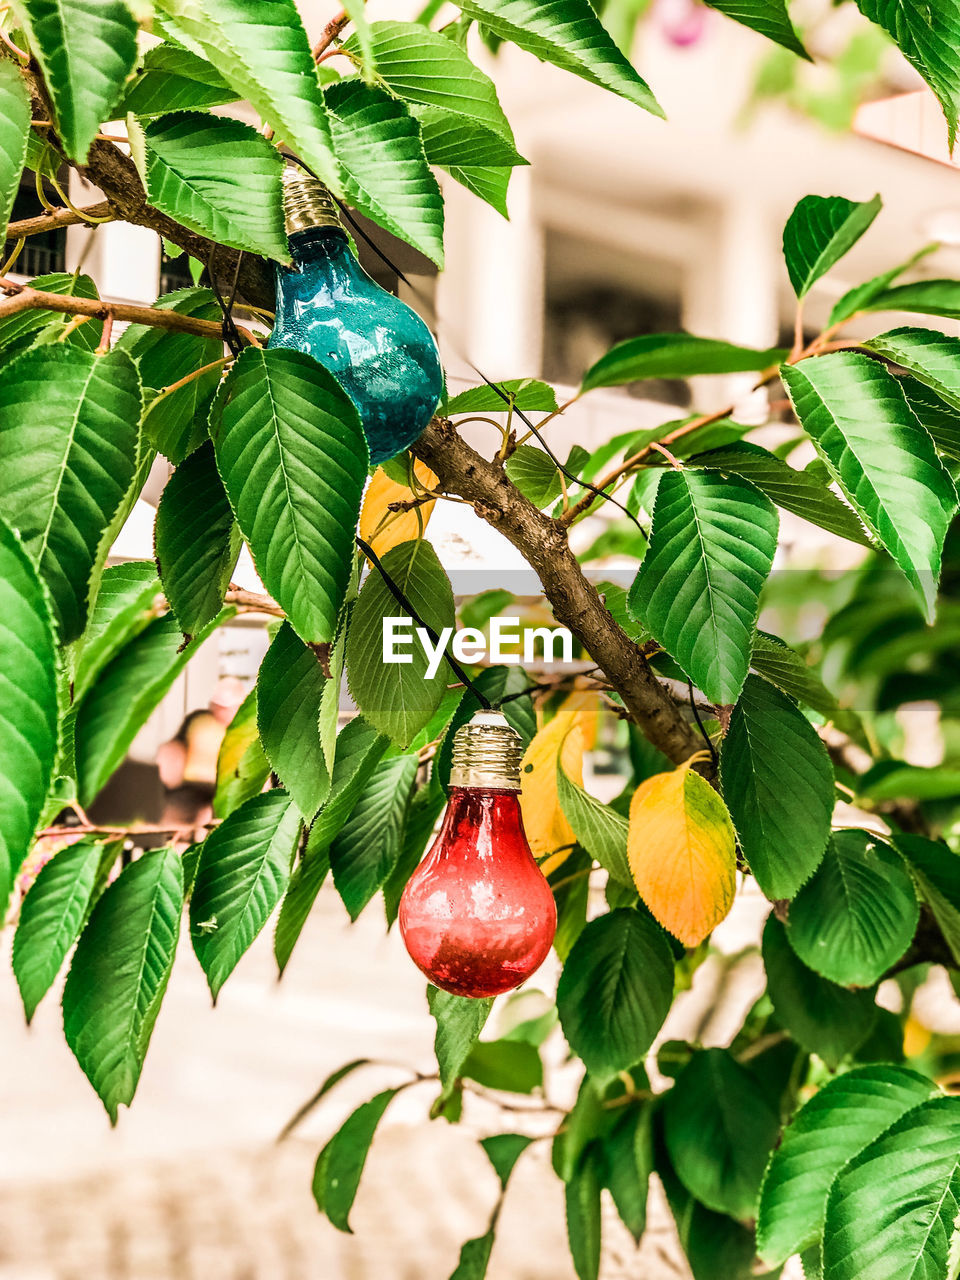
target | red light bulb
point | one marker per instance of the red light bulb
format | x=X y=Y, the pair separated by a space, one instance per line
x=477 y=915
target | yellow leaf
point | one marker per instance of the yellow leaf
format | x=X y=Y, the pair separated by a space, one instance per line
x=587 y=705
x=543 y=820
x=384 y=529
x=682 y=851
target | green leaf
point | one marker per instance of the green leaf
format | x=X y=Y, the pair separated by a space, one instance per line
x=453 y=141
x=340 y=1164
x=568 y=34
x=305 y=883
x=768 y=17
x=936 y=871
x=459 y=1022
x=293 y=458
x=51 y=918
x=68 y=440
x=399 y=699
x=698 y=588
x=14 y=131
x=367 y=847
x=717 y=1247
x=196 y=541
x=931 y=357
x=892 y=1211
x=861 y=295
x=922 y=297
x=164 y=356
x=28 y=711
x=426 y=806
x=571 y=894
x=487 y=182
x=125 y=693
x=939 y=417
x=503 y=1150
x=615 y=991
x=359 y=750
x=582 y=1195
x=891 y=779
x=928 y=36
x=799 y=492
x=777 y=781
x=513 y=1066
x=628 y=1163
x=127 y=601
x=474 y=1258
x=819 y=232
x=242 y=767
x=24 y=328
x=786 y=669
x=176 y=421
x=289 y=692
x=218 y=177
x=262 y=51
x=675 y=355
x=528 y=394
x=120 y=972
x=881 y=457
x=426 y=68
x=838 y=1122
x=244 y=868
x=387 y=176
x=857 y=915
x=172 y=78
x=719 y=1131
x=823 y=1018
x=599 y=828
x=535 y=475
x=85 y=50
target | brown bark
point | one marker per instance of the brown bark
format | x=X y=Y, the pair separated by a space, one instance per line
x=576 y=604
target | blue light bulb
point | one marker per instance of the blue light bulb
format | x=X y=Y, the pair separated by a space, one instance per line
x=378 y=348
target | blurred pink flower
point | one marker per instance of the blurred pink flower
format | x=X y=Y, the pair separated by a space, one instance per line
x=682 y=22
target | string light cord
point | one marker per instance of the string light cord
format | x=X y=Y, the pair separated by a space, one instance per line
x=398 y=594
x=706 y=737
x=503 y=395
x=231 y=334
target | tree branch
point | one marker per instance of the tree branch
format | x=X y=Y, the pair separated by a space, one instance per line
x=576 y=604
x=252 y=602
x=330 y=33
x=116 y=175
x=50 y=220
x=22 y=297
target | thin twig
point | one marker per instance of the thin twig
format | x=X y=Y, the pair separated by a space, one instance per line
x=104 y=344
x=51 y=219
x=23 y=297
x=253 y=602
x=330 y=33
x=190 y=377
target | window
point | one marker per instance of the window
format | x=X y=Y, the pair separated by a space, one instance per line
x=597 y=296
x=43 y=253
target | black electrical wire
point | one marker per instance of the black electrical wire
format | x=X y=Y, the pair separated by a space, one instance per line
x=706 y=737
x=504 y=396
x=229 y=331
x=397 y=592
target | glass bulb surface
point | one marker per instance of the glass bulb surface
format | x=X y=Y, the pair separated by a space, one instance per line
x=377 y=347
x=477 y=915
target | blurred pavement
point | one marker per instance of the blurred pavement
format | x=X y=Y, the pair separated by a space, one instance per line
x=192 y=1185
